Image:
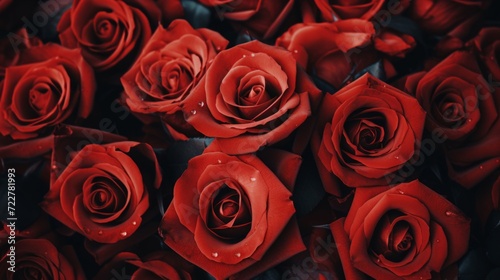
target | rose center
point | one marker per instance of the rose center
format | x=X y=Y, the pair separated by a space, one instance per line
x=449 y=109
x=42 y=99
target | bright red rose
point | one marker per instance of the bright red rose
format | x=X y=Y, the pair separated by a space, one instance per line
x=366 y=132
x=487 y=44
x=464 y=108
x=447 y=17
x=104 y=191
x=110 y=33
x=251 y=96
x=48 y=85
x=231 y=216
x=402 y=232
x=260 y=18
x=334 y=52
x=171 y=64
x=40 y=259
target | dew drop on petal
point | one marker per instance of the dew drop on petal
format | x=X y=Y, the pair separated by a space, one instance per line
x=238 y=255
x=99 y=232
x=481 y=167
x=449 y=213
x=396 y=157
x=215 y=254
x=244 y=55
x=469 y=120
x=201 y=103
x=87 y=230
x=193 y=112
x=134 y=223
x=295 y=51
x=219 y=161
x=401 y=192
x=123 y=234
x=253 y=179
x=252 y=55
x=218 y=48
x=437 y=240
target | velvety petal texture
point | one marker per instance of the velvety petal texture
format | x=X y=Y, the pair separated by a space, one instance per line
x=334 y=10
x=104 y=191
x=401 y=232
x=367 y=131
x=170 y=66
x=252 y=95
x=231 y=215
x=48 y=85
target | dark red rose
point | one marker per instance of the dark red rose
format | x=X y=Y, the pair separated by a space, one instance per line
x=157 y=265
x=487 y=44
x=110 y=33
x=10 y=48
x=402 y=232
x=103 y=193
x=463 y=108
x=251 y=96
x=48 y=85
x=336 y=51
x=40 y=259
x=231 y=216
x=447 y=17
x=334 y=10
x=260 y=18
x=171 y=64
x=366 y=132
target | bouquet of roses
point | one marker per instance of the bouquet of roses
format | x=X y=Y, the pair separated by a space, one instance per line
x=267 y=139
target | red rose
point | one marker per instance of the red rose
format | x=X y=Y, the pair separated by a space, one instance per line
x=336 y=51
x=157 y=265
x=447 y=17
x=48 y=85
x=231 y=216
x=464 y=108
x=251 y=96
x=487 y=44
x=366 y=132
x=403 y=232
x=334 y=10
x=39 y=259
x=104 y=191
x=260 y=18
x=110 y=33
x=171 y=64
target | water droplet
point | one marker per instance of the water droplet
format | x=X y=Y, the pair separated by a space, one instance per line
x=396 y=157
x=244 y=55
x=54 y=167
x=237 y=255
x=295 y=51
x=378 y=260
x=201 y=103
x=469 y=120
x=437 y=240
x=193 y=112
x=87 y=230
x=219 y=161
x=252 y=55
x=218 y=48
x=384 y=85
x=253 y=179
x=215 y=254
x=123 y=234
x=449 y=213
x=134 y=223
x=481 y=167
x=401 y=192
x=99 y=232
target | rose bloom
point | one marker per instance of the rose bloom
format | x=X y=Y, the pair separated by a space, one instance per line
x=335 y=51
x=156 y=265
x=231 y=216
x=365 y=133
x=48 y=85
x=261 y=18
x=487 y=44
x=104 y=191
x=402 y=232
x=447 y=17
x=110 y=33
x=463 y=108
x=171 y=64
x=40 y=259
x=334 y=10
x=251 y=96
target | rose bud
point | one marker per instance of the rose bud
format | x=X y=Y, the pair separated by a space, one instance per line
x=252 y=95
x=171 y=64
x=366 y=132
x=231 y=216
x=48 y=85
x=402 y=232
x=104 y=191
x=463 y=108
